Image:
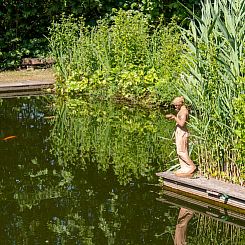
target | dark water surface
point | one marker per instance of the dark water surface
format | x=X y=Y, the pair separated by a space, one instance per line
x=88 y=177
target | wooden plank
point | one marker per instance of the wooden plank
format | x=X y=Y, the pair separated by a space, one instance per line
x=8 y=95
x=216 y=190
x=25 y=85
x=215 y=212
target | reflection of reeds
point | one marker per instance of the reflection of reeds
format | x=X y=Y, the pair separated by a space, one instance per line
x=211 y=231
x=104 y=134
x=216 y=42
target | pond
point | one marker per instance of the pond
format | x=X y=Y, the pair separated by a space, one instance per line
x=83 y=172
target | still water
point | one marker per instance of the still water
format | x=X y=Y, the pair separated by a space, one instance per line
x=83 y=172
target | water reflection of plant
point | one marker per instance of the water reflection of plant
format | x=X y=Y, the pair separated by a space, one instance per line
x=112 y=224
x=215 y=232
x=72 y=228
x=47 y=199
x=106 y=135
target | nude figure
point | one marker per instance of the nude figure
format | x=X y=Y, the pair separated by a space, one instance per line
x=187 y=167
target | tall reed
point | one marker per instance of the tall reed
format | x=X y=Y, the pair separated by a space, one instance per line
x=216 y=44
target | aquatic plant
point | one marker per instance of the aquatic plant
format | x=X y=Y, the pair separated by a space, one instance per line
x=215 y=67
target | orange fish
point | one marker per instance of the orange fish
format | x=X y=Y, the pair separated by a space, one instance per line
x=9 y=137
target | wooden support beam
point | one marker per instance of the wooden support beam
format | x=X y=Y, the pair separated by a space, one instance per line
x=17 y=94
x=25 y=85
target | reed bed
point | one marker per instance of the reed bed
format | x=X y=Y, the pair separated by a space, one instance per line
x=215 y=67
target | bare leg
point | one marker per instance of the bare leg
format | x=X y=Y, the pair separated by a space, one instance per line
x=187 y=167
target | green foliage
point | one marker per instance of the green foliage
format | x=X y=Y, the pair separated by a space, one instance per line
x=216 y=44
x=129 y=35
x=124 y=59
x=22 y=26
x=240 y=114
x=239 y=104
x=24 y=22
x=107 y=136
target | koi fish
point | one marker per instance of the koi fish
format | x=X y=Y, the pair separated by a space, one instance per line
x=9 y=137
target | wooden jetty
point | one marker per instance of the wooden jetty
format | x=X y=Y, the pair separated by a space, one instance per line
x=25 y=86
x=199 y=207
x=18 y=94
x=25 y=82
x=229 y=196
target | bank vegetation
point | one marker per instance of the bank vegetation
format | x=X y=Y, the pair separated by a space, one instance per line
x=126 y=57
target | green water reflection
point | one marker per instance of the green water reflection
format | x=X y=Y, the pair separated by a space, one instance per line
x=130 y=142
x=88 y=176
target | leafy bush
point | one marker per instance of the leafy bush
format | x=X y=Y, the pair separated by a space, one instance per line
x=23 y=21
x=121 y=58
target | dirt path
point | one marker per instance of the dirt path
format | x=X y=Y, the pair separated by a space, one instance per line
x=26 y=75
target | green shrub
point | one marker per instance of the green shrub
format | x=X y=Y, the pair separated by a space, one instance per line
x=121 y=58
